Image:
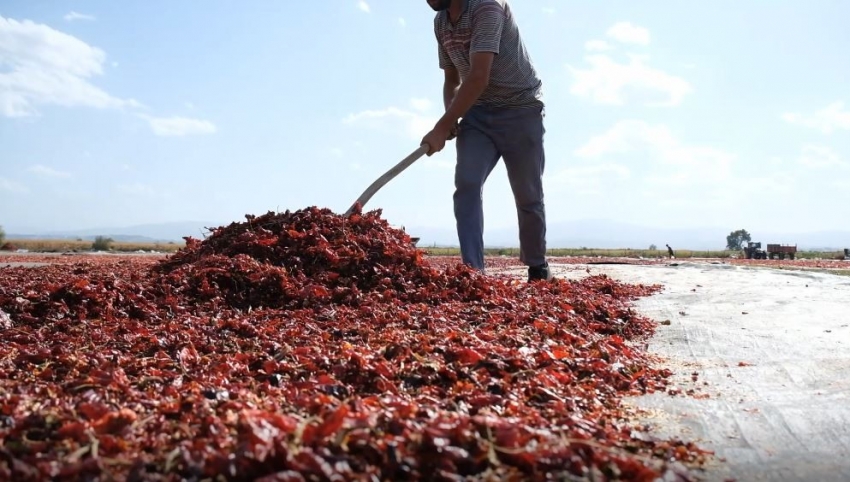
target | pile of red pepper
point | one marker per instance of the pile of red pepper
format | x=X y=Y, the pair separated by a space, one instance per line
x=312 y=257
x=310 y=346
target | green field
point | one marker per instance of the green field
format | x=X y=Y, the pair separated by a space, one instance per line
x=58 y=246
x=73 y=245
x=624 y=253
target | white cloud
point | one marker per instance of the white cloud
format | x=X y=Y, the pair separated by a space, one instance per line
x=438 y=163
x=362 y=5
x=137 y=189
x=549 y=10
x=581 y=172
x=626 y=136
x=47 y=171
x=821 y=157
x=685 y=163
x=72 y=16
x=607 y=82
x=625 y=32
x=44 y=66
x=779 y=182
x=421 y=104
x=12 y=186
x=337 y=152
x=402 y=22
x=597 y=45
x=355 y=166
x=827 y=120
x=413 y=124
x=180 y=126
x=590 y=178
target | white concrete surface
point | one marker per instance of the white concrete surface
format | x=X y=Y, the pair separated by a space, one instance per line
x=772 y=352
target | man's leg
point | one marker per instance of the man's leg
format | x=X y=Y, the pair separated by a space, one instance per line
x=476 y=158
x=520 y=140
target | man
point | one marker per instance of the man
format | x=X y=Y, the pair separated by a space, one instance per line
x=491 y=84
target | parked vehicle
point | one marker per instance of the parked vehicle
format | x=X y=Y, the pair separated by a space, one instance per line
x=754 y=251
x=781 y=251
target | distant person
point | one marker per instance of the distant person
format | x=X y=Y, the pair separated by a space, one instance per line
x=670 y=251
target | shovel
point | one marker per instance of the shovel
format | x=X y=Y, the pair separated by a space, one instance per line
x=387 y=177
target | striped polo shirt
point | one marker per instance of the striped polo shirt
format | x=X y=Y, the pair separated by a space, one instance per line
x=489 y=26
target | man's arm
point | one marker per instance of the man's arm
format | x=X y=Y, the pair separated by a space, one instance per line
x=470 y=90
x=450 y=86
x=459 y=100
x=487 y=24
x=488 y=20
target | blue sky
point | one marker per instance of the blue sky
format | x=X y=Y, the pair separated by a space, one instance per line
x=684 y=114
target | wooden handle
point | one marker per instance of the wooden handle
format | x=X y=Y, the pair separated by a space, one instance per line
x=387 y=177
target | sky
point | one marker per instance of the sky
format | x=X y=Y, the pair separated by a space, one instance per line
x=665 y=114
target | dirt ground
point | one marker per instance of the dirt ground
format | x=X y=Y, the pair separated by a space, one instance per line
x=771 y=350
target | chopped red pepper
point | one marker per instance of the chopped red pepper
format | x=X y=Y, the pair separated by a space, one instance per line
x=310 y=346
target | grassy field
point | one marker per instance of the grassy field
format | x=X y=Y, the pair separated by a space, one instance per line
x=70 y=245
x=624 y=253
x=605 y=253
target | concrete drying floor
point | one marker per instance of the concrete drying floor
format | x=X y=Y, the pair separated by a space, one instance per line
x=774 y=348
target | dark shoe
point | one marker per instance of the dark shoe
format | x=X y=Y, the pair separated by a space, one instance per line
x=542 y=272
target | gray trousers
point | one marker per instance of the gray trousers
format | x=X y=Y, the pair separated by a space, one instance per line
x=516 y=136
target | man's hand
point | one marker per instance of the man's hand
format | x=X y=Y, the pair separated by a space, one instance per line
x=453 y=131
x=436 y=139
x=459 y=101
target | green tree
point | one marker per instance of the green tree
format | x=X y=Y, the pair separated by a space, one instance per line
x=101 y=243
x=652 y=247
x=736 y=239
x=2 y=236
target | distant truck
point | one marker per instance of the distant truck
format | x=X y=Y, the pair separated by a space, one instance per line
x=781 y=251
x=754 y=251
x=773 y=251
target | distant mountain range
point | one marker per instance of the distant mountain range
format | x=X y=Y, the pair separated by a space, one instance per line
x=573 y=234
x=615 y=235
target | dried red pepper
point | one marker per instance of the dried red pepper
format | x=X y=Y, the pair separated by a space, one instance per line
x=308 y=346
